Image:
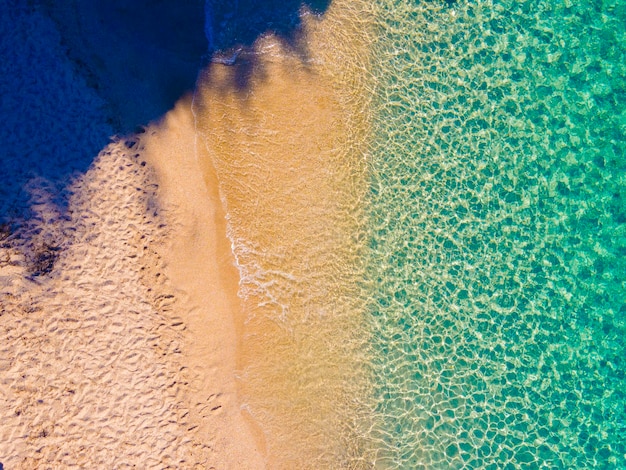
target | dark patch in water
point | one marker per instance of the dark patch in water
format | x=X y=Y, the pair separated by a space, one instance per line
x=235 y=25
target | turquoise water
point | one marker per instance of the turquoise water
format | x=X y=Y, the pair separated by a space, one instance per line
x=498 y=234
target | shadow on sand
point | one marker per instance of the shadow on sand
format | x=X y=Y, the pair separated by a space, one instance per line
x=105 y=67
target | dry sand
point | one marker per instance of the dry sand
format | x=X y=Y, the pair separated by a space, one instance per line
x=105 y=364
x=139 y=55
x=92 y=370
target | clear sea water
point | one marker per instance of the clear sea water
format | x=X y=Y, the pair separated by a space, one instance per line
x=466 y=252
x=497 y=261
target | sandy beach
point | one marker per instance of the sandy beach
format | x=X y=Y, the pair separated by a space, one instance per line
x=201 y=265
x=115 y=307
x=92 y=358
x=120 y=352
x=131 y=340
x=312 y=234
x=287 y=149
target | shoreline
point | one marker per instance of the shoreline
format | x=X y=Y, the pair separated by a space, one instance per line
x=135 y=319
x=201 y=266
x=154 y=369
x=287 y=149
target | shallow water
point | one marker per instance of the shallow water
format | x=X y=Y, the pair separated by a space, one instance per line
x=430 y=228
x=497 y=234
x=285 y=140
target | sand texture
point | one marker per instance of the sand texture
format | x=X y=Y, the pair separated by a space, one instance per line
x=100 y=368
x=92 y=375
x=201 y=266
x=284 y=139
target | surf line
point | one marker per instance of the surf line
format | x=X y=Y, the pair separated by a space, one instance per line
x=219 y=59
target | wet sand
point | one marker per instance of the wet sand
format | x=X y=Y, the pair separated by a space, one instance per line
x=201 y=266
x=288 y=150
